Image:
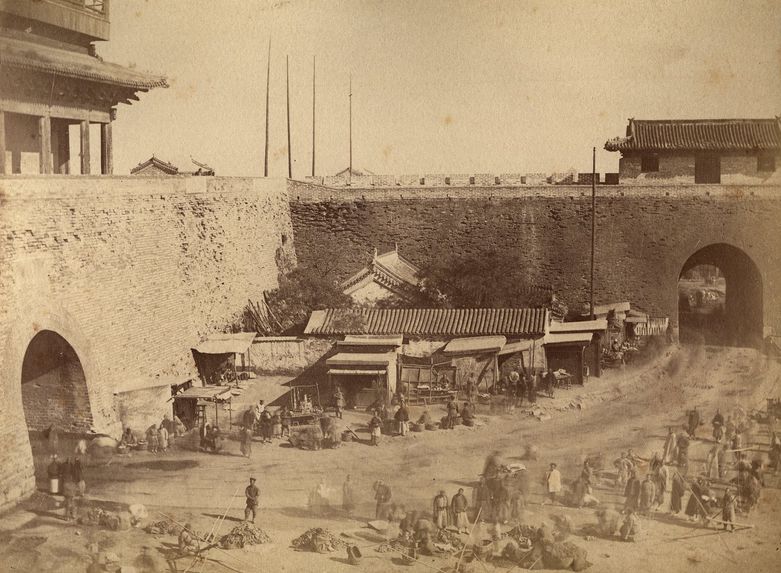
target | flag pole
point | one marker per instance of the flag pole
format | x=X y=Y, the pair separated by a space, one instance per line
x=314 y=71
x=268 y=80
x=593 y=225
x=289 y=149
x=350 y=171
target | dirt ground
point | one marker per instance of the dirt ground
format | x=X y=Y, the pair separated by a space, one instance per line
x=627 y=408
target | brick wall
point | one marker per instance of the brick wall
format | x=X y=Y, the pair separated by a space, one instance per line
x=132 y=272
x=679 y=169
x=139 y=409
x=645 y=233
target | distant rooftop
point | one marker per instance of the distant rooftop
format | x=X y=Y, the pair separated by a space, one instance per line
x=699 y=135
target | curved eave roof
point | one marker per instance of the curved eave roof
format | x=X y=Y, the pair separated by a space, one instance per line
x=30 y=56
x=700 y=135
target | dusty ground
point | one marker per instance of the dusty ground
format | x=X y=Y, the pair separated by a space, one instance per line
x=628 y=408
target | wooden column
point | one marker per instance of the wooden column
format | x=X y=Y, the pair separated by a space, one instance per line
x=61 y=146
x=2 y=143
x=45 y=144
x=106 y=150
x=85 y=160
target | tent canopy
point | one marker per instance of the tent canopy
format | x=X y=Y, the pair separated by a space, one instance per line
x=228 y=343
x=580 y=326
x=210 y=393
x=515 y=347
x=361 y=359
x=475 y=344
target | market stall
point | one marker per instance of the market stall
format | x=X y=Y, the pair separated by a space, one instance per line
x=365 y=378
x=566 y=352
x=191 y=405
x=215 y=357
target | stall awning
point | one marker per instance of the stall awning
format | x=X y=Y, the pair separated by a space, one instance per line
x=348 y=372
x=580 y=326
x=370 y=340
x=568 y=338
x=229 y=343
x=515 y=347
x=475 y=344
x=209 y=393
x=149 y=383
x=361 y=359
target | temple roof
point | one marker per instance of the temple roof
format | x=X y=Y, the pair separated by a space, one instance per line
x=699 y=135
x=389 y=269
x=37 y=57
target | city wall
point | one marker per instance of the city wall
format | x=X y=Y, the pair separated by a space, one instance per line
x=132 y=272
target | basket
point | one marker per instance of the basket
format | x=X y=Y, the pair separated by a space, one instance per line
x=418 y=427
x=432 y=426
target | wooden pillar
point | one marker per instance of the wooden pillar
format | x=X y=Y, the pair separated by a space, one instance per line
x=2 y=143
x=45 y=144
x=61 y=146
x=85 y=160
x=106 y=150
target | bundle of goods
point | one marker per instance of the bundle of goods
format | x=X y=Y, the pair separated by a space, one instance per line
x=392 y=545
x=448 y=537
x=163 y=527
x=242 y=535
x=317 y=539
x=103 y=518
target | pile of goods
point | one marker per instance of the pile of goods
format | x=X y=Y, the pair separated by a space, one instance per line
x=244 y=534
x=319 y=540
x=522 y=535
x=448 y=537
x=397 y=544
x=163 y=527
x=103 y=518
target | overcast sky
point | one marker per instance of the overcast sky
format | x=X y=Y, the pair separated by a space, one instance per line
x=438 y=86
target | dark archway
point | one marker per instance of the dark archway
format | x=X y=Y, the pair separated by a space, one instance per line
x=737 y=319
x=54 y=387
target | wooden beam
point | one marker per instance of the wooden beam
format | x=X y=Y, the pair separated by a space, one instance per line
x=2 y=143
x=85 y=158
x=106 y=150
x=45 y=144
x=61 y=111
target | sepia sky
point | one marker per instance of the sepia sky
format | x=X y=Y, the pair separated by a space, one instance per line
x=438 y=86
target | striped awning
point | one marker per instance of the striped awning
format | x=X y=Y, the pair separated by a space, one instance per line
x=444 y=322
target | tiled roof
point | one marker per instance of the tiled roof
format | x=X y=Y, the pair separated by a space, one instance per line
x=21 y=54
x=699 y=135
x=429 y=321
x=159 y=164
x=389 y=269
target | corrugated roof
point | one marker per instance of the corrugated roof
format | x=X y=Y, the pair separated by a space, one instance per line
x=361 y=359
x=21 y=54
x=699 y=135
x=370 y=340
x=228 y=343
x=475 y=344
x=429 y=321
x=580 y=326
x=568 y=338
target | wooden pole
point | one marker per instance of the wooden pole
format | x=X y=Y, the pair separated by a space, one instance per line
x=2 y=142
x=289 y=149
x=85 y=158
x=350 y=171
x=45 y=143
x=268 y=81
x=314 y=70
x=106 y=149
x=593 y=224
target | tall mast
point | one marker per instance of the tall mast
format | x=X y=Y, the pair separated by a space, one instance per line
x=289 y=149
x=314 y=68
x=593 y=225
x=350 y=171
x=268 y=80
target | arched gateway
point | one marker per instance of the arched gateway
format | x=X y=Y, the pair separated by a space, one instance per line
x=722 y=306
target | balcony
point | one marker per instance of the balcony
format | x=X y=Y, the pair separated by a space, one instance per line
x=89 y=18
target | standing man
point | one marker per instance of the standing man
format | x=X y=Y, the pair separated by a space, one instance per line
x=718 y=426
x=676 y=493
x=246 y=441
x=624 y=466
x=382 y=495
x=452 y=413
x=402 y=417
x=728 y=509
x=693 y=422
x=670 y=447
x=252 y=493
x=471 y=388
x=375 y=429
x=632 y=492
x=647 y=494
x=552 y=483
x=459 y=506
x=339 y=402
x=440 y=510
x=683 y=454
x=348 y=496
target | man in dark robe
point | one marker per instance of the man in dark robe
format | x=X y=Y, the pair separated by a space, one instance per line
x=439 y=510
x=252 y=494
x=458 y=506
x=452 y=413
x=693 y=422
x=632 y=492
x=647 y=494
x=676 y=493
x=382 y=495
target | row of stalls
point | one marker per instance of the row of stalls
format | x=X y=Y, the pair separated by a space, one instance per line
x=429 y=365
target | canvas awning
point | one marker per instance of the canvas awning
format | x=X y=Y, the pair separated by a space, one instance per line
x=209 y=393
x=579 y=326
x=515 y=347
x=229 y=343
x=149 y=383
x=348 y=372
x=361 y=359
x=370 y=340
x=475 y=344
x=568 y=338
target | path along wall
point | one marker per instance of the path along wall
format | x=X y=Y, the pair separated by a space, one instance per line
x=132 y=272
x=644 y=233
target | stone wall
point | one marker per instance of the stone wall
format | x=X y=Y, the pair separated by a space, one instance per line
x=678 y=169
x=131 y=272
x=645 y=234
